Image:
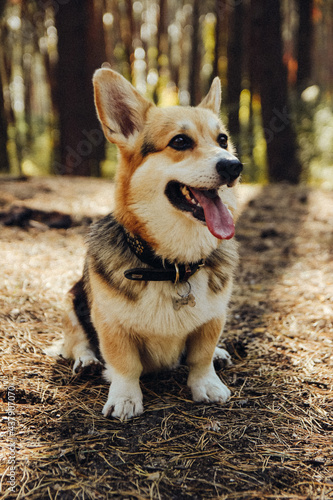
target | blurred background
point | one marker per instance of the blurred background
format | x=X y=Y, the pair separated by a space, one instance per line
x=275 y=60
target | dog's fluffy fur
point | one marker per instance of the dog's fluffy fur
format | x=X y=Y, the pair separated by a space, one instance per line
x=132 y=326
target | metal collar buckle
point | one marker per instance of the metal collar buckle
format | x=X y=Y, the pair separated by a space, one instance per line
x=177 y=274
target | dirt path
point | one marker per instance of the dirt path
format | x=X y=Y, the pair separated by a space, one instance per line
x=273 y=440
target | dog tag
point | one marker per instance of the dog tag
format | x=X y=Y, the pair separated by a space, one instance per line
x=178 y=302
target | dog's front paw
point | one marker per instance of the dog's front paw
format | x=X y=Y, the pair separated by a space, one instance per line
x=209 y=389
x=123 y=408
x=123 y=404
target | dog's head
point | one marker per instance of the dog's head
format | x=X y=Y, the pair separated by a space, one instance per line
x=176 y=167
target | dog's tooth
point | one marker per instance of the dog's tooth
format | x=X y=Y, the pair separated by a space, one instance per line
x=185 y=191
x=189 y=196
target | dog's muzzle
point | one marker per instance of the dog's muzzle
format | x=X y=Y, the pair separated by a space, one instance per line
x=229 y=169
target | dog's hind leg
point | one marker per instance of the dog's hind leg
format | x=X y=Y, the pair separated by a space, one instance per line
x=76 y=344
x=80 y=338
x=222 y=357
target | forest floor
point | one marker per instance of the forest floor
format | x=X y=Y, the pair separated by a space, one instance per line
x=272 y=440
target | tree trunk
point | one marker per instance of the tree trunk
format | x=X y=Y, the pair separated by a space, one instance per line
x=4 y=160
x=128 y=36
x=161 y=45
x=271 y=77
x=80 y=53
x=304 y=43
x=219 y=9
x=162 y=33
x=195 y=62
x=222 y=11
x=234 y=72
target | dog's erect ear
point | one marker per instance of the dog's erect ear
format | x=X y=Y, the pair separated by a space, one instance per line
x=120 y=107
x=212 y=100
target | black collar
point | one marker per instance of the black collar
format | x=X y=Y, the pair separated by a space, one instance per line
x=159 y=270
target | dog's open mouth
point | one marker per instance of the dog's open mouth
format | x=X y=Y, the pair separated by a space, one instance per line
x=205 y=205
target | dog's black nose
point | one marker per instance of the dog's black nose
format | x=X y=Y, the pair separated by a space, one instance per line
x=229 y=169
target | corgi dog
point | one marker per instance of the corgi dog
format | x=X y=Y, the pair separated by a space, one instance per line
x=158 y=273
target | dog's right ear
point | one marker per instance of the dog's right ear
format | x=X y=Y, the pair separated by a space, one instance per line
x=120 y=107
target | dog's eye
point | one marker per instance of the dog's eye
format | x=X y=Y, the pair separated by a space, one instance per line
x=181 y=142
x=223 y=141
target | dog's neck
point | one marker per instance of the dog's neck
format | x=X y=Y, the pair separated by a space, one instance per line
x=160 y=269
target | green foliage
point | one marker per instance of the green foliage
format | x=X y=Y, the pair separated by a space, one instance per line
x=37 y=159
x=314 y=127
x=108 y=166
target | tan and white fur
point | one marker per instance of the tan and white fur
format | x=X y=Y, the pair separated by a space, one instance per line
x=137 y=327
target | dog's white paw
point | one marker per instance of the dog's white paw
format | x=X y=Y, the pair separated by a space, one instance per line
x=209 y=389
x=123 y=408
x=222 y=355
x=85 y=360
x=123 y=402
x=55 y=350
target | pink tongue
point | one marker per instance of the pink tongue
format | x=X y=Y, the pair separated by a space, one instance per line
x=218 y=217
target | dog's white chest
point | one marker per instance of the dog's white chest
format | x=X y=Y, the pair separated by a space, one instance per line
x=164 y=309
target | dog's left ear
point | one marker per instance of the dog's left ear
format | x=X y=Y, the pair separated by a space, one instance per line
x=212 y=100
